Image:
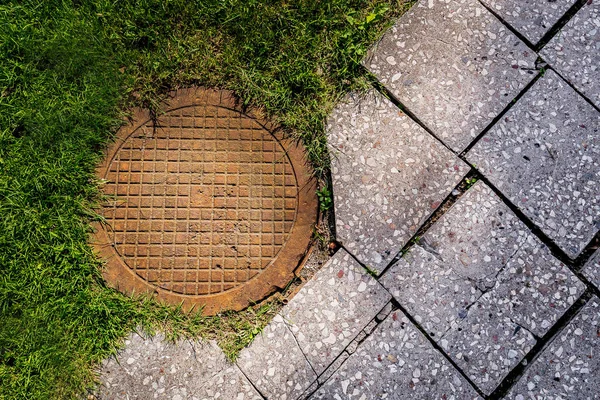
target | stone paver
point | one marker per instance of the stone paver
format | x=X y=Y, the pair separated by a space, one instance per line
x=481 y=284
x=592 y=269
x=331 y=309
x=544 y=155
x=487 y=344
x=388 y=176
x=457 y=258
x=396 y=362
x=454 y=65
x=569 y=367
x=151 y=368
x=575 y=51
x=275 y=363
x=531 y=18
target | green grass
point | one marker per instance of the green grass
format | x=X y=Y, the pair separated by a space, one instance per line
x=69 y=70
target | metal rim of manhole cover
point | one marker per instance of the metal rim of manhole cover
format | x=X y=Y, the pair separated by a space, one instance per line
x=209 y=205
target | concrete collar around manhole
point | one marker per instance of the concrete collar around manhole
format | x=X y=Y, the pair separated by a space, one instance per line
x=209 y=207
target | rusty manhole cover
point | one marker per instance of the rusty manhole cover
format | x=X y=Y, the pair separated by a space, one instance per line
x=209 y=207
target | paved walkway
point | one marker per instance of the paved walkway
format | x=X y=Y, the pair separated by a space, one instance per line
x=498 y=296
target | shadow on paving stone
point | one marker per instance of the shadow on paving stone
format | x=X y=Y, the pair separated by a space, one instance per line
x=152 y=368
x=483 y=286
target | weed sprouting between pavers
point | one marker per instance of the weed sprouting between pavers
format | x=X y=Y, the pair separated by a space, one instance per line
x=69 y=70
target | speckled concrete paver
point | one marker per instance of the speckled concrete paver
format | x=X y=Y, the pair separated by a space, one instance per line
x=591 y=269
x=457 y=258
x=480 y=282
x=388 y=176
x=544 y=155
x=396 y=362
x=575 y=51
x=340 y=300
x=487 y=344
x=569 y=368
x=531 y=18
x=454 y=65
x=275 y=363
x=151 y=368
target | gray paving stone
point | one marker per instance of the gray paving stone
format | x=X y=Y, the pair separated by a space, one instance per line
x=544 y=155
x=275 y=363
x=307 y=393
x=569 y=367
x=151 y=368
x=457 y=258
x=384 y=312
x=332 y=308
x=592 y=269
x=454 y=65
x=534 y=289
x=388 y=176
x=531 y=18
x=228 y=384
x=480 y=282
x=333 y=367
x=464 y=254
x=396 y=362
x=487 y=344
x=357 y=340
x=575 y=51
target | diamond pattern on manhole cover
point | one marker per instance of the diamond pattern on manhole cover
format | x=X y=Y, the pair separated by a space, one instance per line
x=208 y=206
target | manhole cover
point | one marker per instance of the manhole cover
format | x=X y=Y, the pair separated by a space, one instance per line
x=208 y=207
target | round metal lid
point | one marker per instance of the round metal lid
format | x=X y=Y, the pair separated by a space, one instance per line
x=208 y=206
